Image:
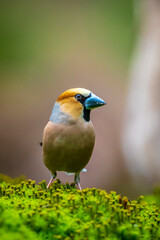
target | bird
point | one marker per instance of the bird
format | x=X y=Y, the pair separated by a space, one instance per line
x=69 y=136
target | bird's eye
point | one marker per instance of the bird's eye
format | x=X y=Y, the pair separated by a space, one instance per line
x=78 y=97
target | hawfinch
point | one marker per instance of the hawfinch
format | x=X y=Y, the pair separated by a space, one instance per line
x=68 y=138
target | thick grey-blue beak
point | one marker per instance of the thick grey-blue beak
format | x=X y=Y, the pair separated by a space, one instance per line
x=93 y=102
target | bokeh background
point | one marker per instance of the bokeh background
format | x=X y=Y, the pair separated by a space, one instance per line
x=47 y=47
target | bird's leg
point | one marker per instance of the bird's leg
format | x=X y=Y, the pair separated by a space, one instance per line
x=53 y=176
x=79 y=187
x=77 y=180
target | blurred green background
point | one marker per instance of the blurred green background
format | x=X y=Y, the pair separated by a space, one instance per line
x=47 y=47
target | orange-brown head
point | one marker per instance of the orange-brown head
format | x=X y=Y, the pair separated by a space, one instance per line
x=73 y=104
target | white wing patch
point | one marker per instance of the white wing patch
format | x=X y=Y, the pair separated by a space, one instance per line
x=70 y=174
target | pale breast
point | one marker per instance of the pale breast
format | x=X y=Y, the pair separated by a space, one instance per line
x=68 y=147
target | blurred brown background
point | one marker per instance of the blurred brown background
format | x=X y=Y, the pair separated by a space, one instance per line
x=48 y=47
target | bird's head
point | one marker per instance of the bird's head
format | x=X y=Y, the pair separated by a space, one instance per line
x=74 y=104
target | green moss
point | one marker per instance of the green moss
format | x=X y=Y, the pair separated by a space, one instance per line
x=29 y=211
x=7 y=179
x=155 y=197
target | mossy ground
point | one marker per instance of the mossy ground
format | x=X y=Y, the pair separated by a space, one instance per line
x=30 y=211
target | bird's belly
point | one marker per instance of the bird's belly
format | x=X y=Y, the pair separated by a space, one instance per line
x=68 y=149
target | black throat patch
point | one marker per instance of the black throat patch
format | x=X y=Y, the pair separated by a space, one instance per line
x=86 y=114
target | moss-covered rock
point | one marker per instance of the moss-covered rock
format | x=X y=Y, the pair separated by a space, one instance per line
x=29 y=211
